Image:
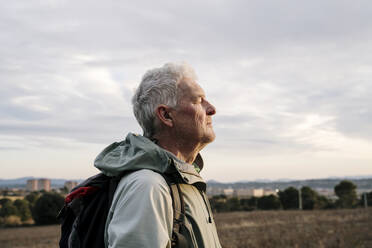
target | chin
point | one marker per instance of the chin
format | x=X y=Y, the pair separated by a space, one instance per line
x=208 y=138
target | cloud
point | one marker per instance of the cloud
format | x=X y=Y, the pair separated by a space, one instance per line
x=285 y=77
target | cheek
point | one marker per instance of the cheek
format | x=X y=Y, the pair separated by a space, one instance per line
x=199 y=118
x=194 y=115
x=189 y=110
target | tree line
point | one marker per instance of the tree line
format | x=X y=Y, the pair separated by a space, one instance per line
x=38 y=208
x=41 y=208
x=291 y=198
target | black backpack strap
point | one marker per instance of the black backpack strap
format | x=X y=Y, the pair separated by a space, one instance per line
x=178 y=203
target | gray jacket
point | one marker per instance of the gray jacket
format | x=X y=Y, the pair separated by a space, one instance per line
x=141 y=214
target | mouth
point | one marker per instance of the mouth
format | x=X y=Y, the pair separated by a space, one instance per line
x=209 y=122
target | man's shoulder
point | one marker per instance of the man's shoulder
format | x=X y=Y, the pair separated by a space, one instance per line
x=143 y=180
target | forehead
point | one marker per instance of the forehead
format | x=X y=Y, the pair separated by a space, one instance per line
x=188 y=87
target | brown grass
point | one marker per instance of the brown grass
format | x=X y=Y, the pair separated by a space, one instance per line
x=32 y=237
x=303 y=229
x=266 y=229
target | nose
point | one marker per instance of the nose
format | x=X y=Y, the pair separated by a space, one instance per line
x=211 y=110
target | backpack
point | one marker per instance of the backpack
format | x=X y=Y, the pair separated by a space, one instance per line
x=83 y=216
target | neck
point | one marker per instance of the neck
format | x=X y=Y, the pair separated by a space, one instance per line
x=185 y=151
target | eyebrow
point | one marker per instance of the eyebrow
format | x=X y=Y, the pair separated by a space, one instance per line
x=199 y=95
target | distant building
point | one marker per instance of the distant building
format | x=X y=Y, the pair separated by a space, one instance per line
x=31 y=185
x=257 y=192
x=44 y=184
x=246 y=193
x=270 y=192
x=328 y=192
x=38 y=184
x=241 y=192
x=228 y=191
x=69 y=185
x=212 y=191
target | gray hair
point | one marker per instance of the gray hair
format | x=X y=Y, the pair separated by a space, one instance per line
x=158 y=86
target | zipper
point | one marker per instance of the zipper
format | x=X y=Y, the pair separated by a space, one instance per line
x=207 y=206
x=206 y=202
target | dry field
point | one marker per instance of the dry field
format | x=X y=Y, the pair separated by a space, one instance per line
x=264 y=229
x=302 y=229
x=32 y=237
x=13 y=198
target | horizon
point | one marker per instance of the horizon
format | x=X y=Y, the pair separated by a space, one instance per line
x=291 y=83
x=261 y=180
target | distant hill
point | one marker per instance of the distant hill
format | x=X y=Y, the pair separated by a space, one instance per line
x=21 y=182
x=327 y=183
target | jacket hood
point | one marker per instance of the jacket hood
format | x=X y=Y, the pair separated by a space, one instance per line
x=137 y=152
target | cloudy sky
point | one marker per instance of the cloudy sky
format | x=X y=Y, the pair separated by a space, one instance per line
x=291 y=81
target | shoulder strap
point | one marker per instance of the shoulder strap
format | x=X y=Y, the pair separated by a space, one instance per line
x=178 y=206
x=178 y=203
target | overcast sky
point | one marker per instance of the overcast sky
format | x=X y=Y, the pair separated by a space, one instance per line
x=291 y=81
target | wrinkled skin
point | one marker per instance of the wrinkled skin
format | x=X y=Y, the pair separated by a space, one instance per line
x=193 y=115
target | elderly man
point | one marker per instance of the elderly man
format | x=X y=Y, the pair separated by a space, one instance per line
x=176 y=119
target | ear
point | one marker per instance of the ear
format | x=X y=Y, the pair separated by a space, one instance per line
x=163 y=114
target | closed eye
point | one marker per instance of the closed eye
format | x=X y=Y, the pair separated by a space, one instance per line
x=199 y=99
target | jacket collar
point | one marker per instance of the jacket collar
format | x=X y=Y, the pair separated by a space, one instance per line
x=187 y=171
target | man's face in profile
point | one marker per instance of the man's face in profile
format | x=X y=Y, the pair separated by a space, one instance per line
x=193 y=113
